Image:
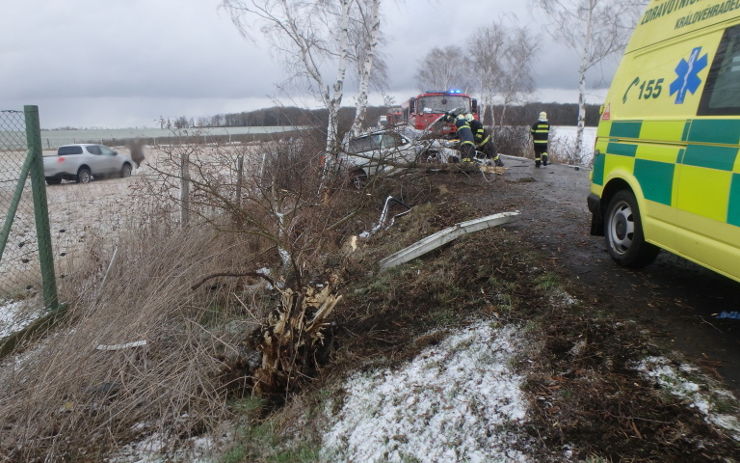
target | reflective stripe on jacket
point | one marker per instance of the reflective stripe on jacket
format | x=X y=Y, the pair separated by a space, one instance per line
x=540 y=131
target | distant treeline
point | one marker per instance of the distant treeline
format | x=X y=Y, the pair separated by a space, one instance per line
x=558 y=114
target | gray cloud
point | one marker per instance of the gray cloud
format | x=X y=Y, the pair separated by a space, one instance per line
x=125 y=62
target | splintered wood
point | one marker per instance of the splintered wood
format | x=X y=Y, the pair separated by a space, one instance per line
x=493 y=170
x=292 y=338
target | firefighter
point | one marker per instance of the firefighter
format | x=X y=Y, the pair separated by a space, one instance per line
x=540 y=133
x=484 y=140
x=467 y=140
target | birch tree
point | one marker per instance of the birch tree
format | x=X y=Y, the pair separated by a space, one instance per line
x=489 y=43
x=596 y=29
x=307 y=34
x=445 y=68
x=369 y=37
x=517 y=62
x=502 y=57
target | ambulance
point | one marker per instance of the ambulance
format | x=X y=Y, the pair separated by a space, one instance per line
x=666 y=171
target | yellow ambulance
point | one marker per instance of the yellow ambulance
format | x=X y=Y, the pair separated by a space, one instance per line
x=666 y=170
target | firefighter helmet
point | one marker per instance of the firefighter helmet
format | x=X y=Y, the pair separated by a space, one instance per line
x=469 y=117
x=543 y=116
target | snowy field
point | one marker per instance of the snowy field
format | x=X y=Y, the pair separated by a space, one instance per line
x=563 y=139
x=55 y=138
x=80 y=215
x=76 y=212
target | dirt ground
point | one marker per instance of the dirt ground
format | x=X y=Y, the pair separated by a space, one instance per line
x=672 y=298
x=581 y=381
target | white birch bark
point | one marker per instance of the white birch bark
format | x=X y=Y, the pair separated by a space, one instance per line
x=335 y=99
x=582 y=79
x=367 y=66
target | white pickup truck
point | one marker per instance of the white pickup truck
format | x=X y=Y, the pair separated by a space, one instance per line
x=83 y=162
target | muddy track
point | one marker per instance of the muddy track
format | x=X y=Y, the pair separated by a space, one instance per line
x=673 y=299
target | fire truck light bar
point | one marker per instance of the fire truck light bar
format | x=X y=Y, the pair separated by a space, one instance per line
x=453 y=91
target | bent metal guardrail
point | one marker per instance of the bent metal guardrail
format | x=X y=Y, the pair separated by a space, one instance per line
x=20 y=247
x=443 y=237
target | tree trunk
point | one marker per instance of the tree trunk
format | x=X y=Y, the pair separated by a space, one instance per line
x=489 y=104
x=503 y=113
x=582 y=82
x=367 y=67
x=335 y=100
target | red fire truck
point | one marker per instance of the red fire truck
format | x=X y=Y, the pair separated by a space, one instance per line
x=426 y=108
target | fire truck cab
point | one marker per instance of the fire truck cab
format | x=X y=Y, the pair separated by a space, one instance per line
x=421 y=111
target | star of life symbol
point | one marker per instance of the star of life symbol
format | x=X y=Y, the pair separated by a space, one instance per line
x=688 y=75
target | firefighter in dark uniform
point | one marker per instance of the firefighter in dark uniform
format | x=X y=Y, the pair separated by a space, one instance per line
x=484 y=140
x=540 y=134
x=467 y=140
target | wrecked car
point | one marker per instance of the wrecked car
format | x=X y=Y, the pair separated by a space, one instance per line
x=387 y=150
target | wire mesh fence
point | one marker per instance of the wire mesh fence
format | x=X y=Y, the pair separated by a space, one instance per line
x=19 y=265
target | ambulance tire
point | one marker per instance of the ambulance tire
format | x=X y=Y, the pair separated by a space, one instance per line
x=625 y=240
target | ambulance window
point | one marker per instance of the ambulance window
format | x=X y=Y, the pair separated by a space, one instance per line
x=722 y=92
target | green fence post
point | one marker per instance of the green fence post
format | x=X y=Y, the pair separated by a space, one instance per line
x=40 y=207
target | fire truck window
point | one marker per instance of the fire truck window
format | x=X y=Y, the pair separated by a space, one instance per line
x=722 y=91
x=445 y=103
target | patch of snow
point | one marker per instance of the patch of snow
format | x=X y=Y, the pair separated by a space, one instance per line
x=16 y=315
x=562 y=299
x=157 y=448
x=457 y=401
x=662 y=372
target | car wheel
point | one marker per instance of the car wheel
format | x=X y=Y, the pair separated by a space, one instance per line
x=358 y=179
x=625 y=240
x=84 y=175
x=53 y=181
x=126 y=170
x=428 y=157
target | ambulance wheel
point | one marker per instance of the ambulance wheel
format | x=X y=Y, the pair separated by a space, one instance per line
x=625 y=240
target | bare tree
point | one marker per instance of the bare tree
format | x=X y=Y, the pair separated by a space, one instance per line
x=369 y=28
x=503 y=57
x=517 y=61
x=486 y=56
x=307 y=33
x=596 y=29
x=445 y=68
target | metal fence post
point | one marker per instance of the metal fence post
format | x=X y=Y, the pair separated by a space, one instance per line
x=184 y=188
x=239 y=179
x=40 y=206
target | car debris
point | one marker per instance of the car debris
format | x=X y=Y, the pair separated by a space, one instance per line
x=127 y=345
x=381 y=225
x=442 y=237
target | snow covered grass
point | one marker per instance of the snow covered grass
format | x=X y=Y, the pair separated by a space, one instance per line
x=156 y=448
x=719 y=406
x=457 y=401
x=16 y=315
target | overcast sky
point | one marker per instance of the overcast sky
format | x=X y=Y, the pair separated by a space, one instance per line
x=125 y=63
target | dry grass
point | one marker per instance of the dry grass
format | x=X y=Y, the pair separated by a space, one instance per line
x=64 y=399
x=67 y=399
x=563 y=149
